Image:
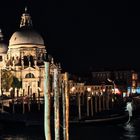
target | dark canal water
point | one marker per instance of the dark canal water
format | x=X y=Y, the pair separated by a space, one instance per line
x=99 y=132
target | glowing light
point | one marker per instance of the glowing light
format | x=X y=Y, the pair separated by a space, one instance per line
x=117 y=91
x=72 y=89
x=10 y=89
x=88 y=89
x=138 y=90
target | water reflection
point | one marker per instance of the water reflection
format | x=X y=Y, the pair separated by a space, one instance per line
x=18 y=133
x=20 y=138
x=14 y=138
x=129 y=131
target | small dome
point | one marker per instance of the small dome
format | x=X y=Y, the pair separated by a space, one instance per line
x=3 y=47
x=26 y=36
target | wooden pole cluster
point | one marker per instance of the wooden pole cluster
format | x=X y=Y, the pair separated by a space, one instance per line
x=96 y=103
x=65 y=104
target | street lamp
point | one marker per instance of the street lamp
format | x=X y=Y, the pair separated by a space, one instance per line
x=113 y=88
x=89 y=90
x=112 y=83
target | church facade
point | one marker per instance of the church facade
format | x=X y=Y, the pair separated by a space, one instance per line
x=24 y=57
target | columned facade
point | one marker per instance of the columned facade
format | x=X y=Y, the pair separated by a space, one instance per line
x=25 y=57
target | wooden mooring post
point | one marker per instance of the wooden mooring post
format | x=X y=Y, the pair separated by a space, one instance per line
x=56 y=105
x=47 y=128
x=65 y=105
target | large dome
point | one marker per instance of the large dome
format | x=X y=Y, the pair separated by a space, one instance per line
x=26 y=36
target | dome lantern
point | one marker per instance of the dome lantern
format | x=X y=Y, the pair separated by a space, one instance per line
x=26 y=35
x=26 y=19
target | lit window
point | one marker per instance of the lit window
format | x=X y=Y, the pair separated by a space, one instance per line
x=29 y=75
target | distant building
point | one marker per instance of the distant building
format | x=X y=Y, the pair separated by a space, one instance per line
x=75 y=87
x=126 y=81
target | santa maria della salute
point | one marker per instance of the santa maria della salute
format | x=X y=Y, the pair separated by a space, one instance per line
x=24 y=59
x=22 y=67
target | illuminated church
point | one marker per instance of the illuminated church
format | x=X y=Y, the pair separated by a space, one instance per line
x=25 y=56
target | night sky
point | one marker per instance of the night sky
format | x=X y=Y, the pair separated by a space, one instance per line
x=82 y=35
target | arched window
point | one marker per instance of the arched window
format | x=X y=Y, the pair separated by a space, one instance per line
x=29 y=75
x=0 y=58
